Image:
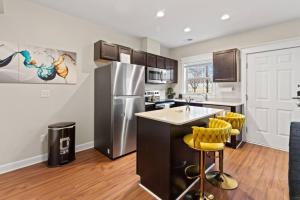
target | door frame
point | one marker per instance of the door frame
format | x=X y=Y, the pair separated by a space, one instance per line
x=264 y=47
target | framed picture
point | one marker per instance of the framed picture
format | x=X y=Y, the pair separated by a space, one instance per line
x=9 y=63
x=32 y=64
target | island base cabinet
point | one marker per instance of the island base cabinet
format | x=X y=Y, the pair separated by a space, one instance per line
x=162 y=157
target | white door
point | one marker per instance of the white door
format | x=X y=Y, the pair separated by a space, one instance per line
x=273 y=78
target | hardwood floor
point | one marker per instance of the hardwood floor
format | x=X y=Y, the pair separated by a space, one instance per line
x=261 y=172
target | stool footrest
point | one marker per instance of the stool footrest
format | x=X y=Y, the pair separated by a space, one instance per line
x=192 y=171
x=221 y=180
x=195 y=194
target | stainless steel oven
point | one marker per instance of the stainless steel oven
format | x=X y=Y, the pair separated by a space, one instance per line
x=156 y=75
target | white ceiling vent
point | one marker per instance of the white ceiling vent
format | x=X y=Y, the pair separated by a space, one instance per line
x=1 y=7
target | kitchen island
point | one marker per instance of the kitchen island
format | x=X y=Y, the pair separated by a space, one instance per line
x=161 y=154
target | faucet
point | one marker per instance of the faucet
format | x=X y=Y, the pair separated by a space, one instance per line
x=204 y=96
x=188 y=101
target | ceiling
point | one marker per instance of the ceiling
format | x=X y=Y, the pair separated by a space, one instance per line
x=138 y=17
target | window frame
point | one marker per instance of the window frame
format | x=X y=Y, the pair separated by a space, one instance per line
x=195 y=60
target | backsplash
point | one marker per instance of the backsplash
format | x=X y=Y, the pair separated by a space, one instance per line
x=221 y=92
x=160 y=87
x=227 y=90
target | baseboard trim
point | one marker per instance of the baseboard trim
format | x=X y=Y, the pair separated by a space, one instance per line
x=149 y=191
x=264 y=145
x=38 y=159
x=84 y=146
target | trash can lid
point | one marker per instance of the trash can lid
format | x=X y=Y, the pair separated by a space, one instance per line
x=61 y=124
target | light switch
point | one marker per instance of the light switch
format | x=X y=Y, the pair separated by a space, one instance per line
x=45 y=93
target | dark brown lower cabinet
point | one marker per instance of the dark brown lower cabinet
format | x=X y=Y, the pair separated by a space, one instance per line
x=162 y=157
x=150 y=107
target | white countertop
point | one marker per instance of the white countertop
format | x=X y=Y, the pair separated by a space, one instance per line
x=149 y=103
x=179 y=115
x=218 y=103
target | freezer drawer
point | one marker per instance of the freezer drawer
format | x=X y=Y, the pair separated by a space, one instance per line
x=125 y=123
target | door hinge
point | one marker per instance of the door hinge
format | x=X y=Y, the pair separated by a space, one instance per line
x=246 y=65
x=246 y=129
x=246 y=97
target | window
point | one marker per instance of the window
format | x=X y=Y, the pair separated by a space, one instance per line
x=198 y=78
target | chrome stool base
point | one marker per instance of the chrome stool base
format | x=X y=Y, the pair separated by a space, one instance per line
x=221 y=180
x=192 y=195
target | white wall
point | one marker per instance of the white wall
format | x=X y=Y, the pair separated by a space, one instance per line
x=24 y=115
x=164 y=51
x=282 y=31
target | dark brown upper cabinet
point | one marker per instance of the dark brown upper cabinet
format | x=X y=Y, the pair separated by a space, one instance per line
x=105 y=50
x=172 y=67
x=139 y=57
x=226 y=66
x=161 y=62
x=151 y=60
x=123 y=49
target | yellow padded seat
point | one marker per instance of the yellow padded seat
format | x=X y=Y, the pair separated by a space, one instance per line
x=211 y=138
x=235 y=132
x=236 y=120
x=188 y=139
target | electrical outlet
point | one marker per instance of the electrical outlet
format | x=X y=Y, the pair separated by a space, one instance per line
x=45 y=93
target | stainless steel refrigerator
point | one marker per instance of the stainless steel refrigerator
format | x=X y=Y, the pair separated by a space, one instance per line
x=119 y=94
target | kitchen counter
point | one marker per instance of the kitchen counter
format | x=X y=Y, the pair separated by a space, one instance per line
x=179 y=115
x=162 y=156
x=218 y=103
x=149 y=103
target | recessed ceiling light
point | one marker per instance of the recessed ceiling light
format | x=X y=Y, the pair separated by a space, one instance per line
x=187 y=29
x=225 y=17
x=160 y=13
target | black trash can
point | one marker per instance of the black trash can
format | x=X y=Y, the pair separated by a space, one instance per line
x=61 y=143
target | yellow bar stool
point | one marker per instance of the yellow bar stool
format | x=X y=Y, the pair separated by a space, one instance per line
x=205 y=140
x=219 y=178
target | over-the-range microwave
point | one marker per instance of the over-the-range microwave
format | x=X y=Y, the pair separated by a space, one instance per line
x=156 y=75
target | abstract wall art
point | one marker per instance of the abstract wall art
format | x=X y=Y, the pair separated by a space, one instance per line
x=31 y=64
x=9 y=63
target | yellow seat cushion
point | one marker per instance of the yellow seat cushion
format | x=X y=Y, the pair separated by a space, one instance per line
x=236 y=120
x=234 y=132
x=188 y=139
